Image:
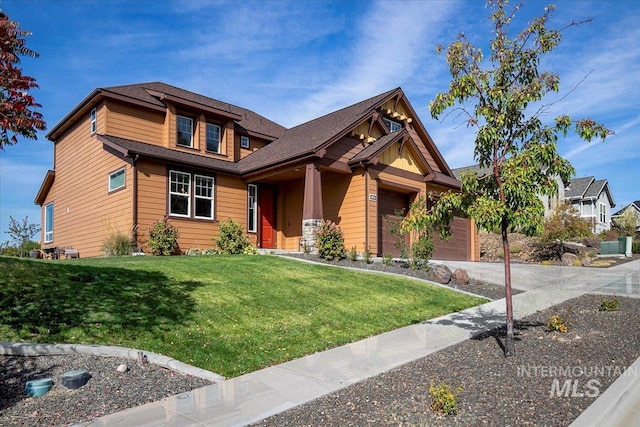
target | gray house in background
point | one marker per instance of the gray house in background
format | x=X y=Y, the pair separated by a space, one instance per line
x=593 y=200
x=549 y=203
x=633 y=207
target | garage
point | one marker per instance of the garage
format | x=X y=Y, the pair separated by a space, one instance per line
x=457 y=248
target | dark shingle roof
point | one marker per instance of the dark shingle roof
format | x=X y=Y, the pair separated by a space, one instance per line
x=129 y=147
x=308 y=137
x=474 y=168
x=621 y=211
x=578 y=187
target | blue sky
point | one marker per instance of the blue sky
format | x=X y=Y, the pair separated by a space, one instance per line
x=293 y=61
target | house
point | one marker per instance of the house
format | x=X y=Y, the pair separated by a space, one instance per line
x=634 y=208
x=593 y=200
x=548 y=202
x=127 y=156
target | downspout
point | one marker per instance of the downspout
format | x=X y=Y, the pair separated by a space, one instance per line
x=134 y=216
x=366 y=208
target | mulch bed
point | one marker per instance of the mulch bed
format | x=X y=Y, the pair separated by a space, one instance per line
x=494 y=390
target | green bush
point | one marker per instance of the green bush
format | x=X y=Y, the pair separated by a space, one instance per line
x=386 y=259
x=557 y=323
x=421 y=251
x=117 y=243
x=635 y=247
x=163 y=237
x=353 y=254
x=610 y=304
x=366 y=256
x=443 y=399
x=231 y=238
x=330 y=241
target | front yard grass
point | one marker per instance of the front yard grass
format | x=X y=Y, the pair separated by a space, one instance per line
x=227 y=314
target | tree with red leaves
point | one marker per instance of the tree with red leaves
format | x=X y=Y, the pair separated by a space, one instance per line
x=17 y=106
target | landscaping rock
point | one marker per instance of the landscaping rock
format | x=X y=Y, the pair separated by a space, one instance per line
x=461 y=277
x=568 y=258
x=586 y=262
x=440 y=274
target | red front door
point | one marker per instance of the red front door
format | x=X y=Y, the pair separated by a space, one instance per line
x=267 y=218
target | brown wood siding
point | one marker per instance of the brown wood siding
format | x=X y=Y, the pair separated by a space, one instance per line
x=289 y=211
x=134 y=123
x=344 y=203
x=85 y=212
x=423 y=149
x=393 y=206
x=344 y=149
x=458 y=247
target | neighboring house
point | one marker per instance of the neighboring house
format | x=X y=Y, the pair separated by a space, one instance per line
x=593 y=200
x=633 y=207
x=549 y=202
x=127 y=156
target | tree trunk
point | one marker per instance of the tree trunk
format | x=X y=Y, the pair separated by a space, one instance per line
x=509 y=344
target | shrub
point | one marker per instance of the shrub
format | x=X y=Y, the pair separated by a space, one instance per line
x=610 y=304
x=249 y=250
x=557 y=323
x=210 y=251
x=564 y=225
x=163 y=237
x=117 y=243
x=443 y=399
x=515 y=249
x=421 y=251
x=386 y=259
x=330 y=241
x=352 y=255
x=635 y=247
x=194 y=252
x=231 y=238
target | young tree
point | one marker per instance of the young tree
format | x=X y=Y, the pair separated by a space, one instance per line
x=21 y=233
x=564 y=224
x=512 y=142
x=17 y=107
x=627 y=223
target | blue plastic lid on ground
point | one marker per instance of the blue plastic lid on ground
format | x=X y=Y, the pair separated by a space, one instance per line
x=39 y=387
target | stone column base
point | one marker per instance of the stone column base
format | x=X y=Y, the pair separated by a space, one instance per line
x=308 y=242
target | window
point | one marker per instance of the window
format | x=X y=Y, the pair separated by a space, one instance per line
x=94 y=125
x=181 y=197
x=48 y=223
x=244 y=141
x=116 y=179
x=252 y=208
x=213 y=138
x=179 y=193
x=185 y=131
x=603 y=213
x=203 y=196
x=393 y=126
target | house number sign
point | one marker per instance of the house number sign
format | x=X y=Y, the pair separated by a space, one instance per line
x=373 y=197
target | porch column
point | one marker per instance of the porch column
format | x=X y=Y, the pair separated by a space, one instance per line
x=312 y=207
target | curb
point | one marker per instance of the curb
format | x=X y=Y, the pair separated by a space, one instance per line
x=31 y=349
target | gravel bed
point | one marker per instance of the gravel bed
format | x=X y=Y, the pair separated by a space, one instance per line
x=106 y=392
x=494 y=390
x=487 y=290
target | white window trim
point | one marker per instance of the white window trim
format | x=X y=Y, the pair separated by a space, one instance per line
x=212 y=198
x=219 y=138
x=392 y=125
x=245 y=142
x=252 y=205
x=188 y=195
x=48 y=234
x=190 y=132
x=602 y=213
x=94 y=121
x=112 y=174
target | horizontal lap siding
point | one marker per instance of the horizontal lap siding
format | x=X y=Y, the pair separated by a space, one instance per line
x=344 y=149
x=289 y=213
x=344 y=203
x=84 y=211
x=458 y=247
x=135 y=123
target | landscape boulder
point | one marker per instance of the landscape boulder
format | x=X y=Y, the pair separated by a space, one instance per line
x=568 y=258
x=461 y=277
x=586 y=261
x=440 y=273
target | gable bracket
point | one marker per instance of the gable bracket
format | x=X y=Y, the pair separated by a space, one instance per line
x=374 y=118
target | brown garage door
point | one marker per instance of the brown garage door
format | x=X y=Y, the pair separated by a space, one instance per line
x=389 y=204
x=457 y=248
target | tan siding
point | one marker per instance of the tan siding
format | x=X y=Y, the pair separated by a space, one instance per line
x=84 y=213
x=372 y=209
x=134 y=123
x=344 y=203
x=403 y=160
x=289 y=211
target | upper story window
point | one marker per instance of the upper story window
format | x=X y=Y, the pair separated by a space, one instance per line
x=117 y=180
x=393 y=126
x=94 y=124
x=48 y=223
x=191 y=191
x=184 y=127
x=244 y=141
x=213 y=138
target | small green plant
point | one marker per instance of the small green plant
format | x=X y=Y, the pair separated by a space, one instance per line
x=210 y=251
x=443 y=398
x=163 y=237
x=249 y=250
x=366 y=256
x=610 y=304
x=577 y=262
x=330 y=241
x=515 y=249
x=117 y=243
x=194 y=252
x=557 y=323
x=421 y=251
x=231 y=238
x=386 y=259
x=352 y=255
x=635 y=247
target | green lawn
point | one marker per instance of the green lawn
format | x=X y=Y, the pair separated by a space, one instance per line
x=227 y=314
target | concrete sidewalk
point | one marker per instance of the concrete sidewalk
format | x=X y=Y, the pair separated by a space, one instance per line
x=252 y=397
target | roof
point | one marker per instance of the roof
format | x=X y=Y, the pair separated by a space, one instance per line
x=635 y=204
x=152 y=95
x=588 y=188
x=305 y=139
x=474 y=168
